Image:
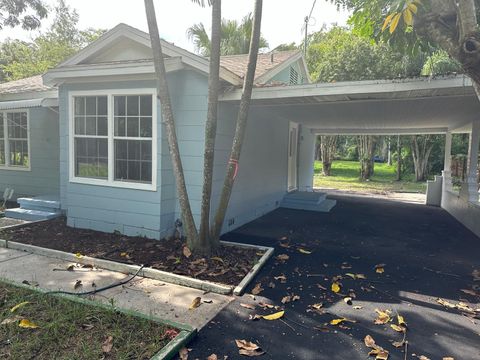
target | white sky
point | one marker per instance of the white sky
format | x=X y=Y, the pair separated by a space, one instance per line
x=282 y=19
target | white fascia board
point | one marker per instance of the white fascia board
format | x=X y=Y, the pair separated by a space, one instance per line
x=351 y=88
x=277 y=69
x=123 y=30
x=386 y=131
x=59 y=75
x=29 y=95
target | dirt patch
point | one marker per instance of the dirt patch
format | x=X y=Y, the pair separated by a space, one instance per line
x=227 y=265
x=43 y=326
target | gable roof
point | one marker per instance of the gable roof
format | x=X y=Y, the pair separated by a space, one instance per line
x=123 y=31
x=268 y=65
x=95 y=55
x=30 y=84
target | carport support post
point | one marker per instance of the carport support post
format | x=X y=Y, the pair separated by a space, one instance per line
x=447 y=168
x=471 y=184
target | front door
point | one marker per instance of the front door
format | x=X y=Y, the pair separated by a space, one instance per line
x=292 y=157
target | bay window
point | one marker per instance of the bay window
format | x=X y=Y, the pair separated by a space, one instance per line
x=14 y=140
x=114 y=138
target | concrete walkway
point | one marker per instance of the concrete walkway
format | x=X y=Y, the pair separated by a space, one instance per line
x=151 y=297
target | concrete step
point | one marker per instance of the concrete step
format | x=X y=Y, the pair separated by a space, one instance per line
x=324 y=206
x=301 y=197
x=31 y=215
x=39 y=203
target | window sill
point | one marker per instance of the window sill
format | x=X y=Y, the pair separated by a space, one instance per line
x=15 y=168
x=114 y=184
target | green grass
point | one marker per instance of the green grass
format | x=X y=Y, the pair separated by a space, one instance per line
x=72 y=330
x=345 y=176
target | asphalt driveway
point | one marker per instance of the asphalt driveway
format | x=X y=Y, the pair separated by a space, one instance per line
x=426 y=254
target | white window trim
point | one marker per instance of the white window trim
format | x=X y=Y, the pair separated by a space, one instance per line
x=7 y=165
x=110 y=182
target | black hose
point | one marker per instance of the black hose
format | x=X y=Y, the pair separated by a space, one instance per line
x=93 y=292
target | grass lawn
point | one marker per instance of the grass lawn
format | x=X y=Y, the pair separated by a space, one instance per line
x=72 y=330
x=345 y=176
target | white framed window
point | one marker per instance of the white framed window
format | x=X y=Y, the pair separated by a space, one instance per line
x=113 y=138
x=15 y=140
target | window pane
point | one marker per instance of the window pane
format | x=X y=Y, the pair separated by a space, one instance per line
x=146 y=105
x=2 y=134
x=129 y=163
x=102 y=105
x=132 y=105
x=80 y=125
x=102 y=126
x=18 y=152
x=17 y=125
x=91 y=105
x=2 y=152
x=120 y=125
x=119 y=106
x=90 y=125
x=91 y=158
x=132 y=127
x=146 y=127
x=79 y=105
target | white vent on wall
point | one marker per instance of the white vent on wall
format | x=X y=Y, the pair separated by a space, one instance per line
x=293 y=76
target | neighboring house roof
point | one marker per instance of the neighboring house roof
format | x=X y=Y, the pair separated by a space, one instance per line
x=30 y=84
x=265 y=63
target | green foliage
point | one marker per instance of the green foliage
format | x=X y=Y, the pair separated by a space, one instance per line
x=235 y=37
x=341 y=55
x=25 y=13
x=440 y=63
x=287 y=47
x=19 y=59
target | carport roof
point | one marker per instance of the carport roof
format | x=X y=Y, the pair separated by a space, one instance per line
x=407 y=106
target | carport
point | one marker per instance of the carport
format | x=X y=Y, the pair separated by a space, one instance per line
x=444 y=105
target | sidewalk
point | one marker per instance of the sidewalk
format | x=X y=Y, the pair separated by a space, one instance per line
x=151 y=297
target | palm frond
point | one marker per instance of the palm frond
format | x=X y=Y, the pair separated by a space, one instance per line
x=202 y=2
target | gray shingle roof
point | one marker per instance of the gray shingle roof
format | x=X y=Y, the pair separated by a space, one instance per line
x=30 y=84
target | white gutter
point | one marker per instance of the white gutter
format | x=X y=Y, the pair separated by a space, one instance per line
x=30 y=103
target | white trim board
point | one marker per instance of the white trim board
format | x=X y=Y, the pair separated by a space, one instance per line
x=110 y=182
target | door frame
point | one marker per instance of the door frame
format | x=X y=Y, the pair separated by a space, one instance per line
x=292 y=157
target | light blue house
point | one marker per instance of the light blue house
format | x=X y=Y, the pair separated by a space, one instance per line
x=87 y=140
x=100 y=154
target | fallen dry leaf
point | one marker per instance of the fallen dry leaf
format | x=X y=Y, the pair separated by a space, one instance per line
x=303 y=251
x=448 y=358
x=212 y=357
x=248 y=348
x=357 y=307
x=183 y=353
x=78 y=255
x=336 y=287
x=219 y=259
x=247 y=306
x=446 y=303
x=397 y=328
x=380 y=270
x=266 y=306
x=27 y=324
x=257 y=289
x=383 y=317
x=401 y=321
x=195 y=303
x=274 y=316
x=107 y=345
x=282 y=278
x=379 y=352
x=369 y=342
x=283 y=257
x=187 y=252
x=18 y=306
x=77 y=284
x=336 y=321
x=398 y=344
x=11 y=320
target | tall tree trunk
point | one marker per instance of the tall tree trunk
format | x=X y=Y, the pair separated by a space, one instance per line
x=366 y=148
x=421 y=149
x=328 y=147
x=241 y=123
x=163 y=95
x=205 y=244
x=399 y=159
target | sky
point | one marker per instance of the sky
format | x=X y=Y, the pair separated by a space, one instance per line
x=282 y=19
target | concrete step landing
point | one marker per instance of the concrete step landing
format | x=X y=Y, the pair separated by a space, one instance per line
x=311 y=201
x=35 y=209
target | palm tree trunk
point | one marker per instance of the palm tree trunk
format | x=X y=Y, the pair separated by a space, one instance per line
x=163 y=95
x=204 y=244
x=241 y=123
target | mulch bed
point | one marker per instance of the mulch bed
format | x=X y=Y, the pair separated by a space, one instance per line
x=227 y=265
